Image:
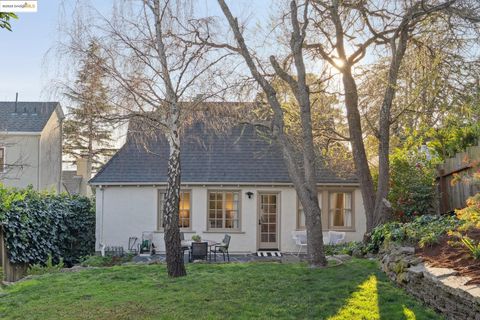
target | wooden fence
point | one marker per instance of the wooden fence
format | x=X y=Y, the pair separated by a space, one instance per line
x=11 y=271
x=454 y=195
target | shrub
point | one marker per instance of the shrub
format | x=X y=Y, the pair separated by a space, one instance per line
x=107 y=261
x=423 y=231
x=412 y=185
x=41 y=225
x=470 y=214
x=350 y=248
x=49 y=267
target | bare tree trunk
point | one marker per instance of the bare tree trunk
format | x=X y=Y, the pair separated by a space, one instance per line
x=398 y=52
x=358 y=148
x=304 y=178
x=309 y=197
x=173 y=248
x=313 y=223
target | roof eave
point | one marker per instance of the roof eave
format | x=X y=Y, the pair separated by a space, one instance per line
x=340 y=183
x=21 y=133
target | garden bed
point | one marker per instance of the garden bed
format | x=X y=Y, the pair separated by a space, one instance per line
x=448 y=254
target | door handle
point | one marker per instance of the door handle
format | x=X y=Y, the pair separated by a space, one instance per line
x=260 y=221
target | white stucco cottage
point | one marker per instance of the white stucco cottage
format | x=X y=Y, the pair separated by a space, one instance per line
x=234 y=183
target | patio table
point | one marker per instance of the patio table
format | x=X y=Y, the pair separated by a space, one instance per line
x=210 y=243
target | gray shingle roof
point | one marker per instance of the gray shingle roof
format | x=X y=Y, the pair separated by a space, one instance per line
x=239 y=156
x=71 y=181
x=26 y=117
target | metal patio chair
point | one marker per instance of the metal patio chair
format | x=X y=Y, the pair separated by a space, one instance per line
x=199 y=251
x=222 y=248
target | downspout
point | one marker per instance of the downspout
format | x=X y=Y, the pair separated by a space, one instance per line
x=101 y=244
x=59 y=187
x=38 y=161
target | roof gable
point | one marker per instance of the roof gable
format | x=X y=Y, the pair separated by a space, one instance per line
x=26 y=116
x=242 y=155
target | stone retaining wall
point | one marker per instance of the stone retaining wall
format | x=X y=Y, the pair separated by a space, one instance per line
x=440 y=288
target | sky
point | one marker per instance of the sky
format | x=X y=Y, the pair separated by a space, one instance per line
x=26 y=67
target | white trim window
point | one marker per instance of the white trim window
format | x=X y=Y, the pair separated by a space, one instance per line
x=2 y=159
x=341 y=209
x=224 y=210
x=185 y=212
x=301 y=214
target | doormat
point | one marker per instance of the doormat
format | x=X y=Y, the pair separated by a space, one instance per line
x=269 y=253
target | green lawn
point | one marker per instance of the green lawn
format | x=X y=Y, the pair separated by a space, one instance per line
x=356 y=290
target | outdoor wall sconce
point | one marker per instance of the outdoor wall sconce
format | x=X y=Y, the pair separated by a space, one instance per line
x=249 y=194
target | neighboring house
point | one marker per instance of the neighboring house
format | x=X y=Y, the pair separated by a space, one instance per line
x=31 y=145
x=234 y=183
x=76 y=181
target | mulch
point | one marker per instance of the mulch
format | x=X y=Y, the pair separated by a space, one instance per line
x=449 y=253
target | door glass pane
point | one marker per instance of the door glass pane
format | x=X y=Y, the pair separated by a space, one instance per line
x=272 y=199
x=272 y=227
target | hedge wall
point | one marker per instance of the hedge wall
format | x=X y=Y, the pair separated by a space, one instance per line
x=37 y=225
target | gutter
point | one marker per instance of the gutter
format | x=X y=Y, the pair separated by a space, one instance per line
x=204 y=184
x=20 y=133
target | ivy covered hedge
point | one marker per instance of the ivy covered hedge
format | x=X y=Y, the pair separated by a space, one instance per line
x=38 y=225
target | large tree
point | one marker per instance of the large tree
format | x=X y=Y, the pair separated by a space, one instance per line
x=156 y=79
x=437 y=94
x=299 y=155
x=87 y=130
x=342 y=33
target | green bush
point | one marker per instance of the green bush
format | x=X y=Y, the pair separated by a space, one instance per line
x=424 y=230
x=470 y=214
x=40 y=225
x=350 y=248
x=49 y=267
x=412 y=185
x=107 y=261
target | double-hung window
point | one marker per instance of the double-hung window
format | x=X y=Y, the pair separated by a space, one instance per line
x=341 y=209
x=185 y=213
x=301 y=212
x=224 y=210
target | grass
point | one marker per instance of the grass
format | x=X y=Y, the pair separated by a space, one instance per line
x=355 y=290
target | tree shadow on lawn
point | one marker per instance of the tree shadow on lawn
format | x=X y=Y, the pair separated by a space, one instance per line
x=378 y=298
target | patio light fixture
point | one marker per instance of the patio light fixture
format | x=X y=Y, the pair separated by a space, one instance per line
x=249 y=194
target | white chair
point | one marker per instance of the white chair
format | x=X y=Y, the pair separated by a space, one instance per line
x=300 y=238
x=336 y=237
x=326 y=238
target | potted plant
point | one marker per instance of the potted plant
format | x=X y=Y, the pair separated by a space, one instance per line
x=196 y=238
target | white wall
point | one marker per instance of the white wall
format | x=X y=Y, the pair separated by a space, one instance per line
x=21 y=153
x=51 y=155
x=127 y=211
